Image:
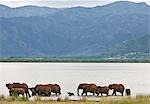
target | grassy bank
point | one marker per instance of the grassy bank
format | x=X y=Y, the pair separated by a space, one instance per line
x=76 y=59
x=105 y=100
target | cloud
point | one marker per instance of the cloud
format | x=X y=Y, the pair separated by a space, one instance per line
x=62 y=3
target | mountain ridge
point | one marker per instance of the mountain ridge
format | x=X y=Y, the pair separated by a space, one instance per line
x=29 y=10
x=74 y=31
x=131 y=2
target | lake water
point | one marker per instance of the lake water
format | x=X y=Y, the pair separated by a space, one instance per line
x=135 y=76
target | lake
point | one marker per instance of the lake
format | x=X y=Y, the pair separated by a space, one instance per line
x=135 y=76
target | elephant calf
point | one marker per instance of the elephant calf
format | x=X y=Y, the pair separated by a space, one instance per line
x=43 y=90
x=70 y=93
x=102 y=90
x=128 y=92
x=17 y=91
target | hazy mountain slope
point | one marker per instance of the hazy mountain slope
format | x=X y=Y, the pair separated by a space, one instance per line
x=71 y=31
x=114 y=8
x=139 y=45
x=26 y=11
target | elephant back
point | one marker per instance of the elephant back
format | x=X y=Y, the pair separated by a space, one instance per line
x=55 y=88
x=102 y=89
x=83 y=86
x=117 y=87
x=17 y=85
x=91 y=87
x=43 y=89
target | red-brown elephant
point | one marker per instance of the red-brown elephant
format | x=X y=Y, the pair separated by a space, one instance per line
x=18 y=85
x=87 y=88
x=55 y=88
x=17 y=91
x=101 y=89
x=43 y=90
x=117 y=88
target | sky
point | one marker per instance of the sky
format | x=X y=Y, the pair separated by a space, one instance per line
x=63 y=3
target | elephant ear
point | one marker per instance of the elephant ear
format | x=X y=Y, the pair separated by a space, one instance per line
x=6 y=84
x=111 y=86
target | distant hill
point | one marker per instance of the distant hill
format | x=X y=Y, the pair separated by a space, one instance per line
x=132 y=47
x=33 y=31
x=26 y=11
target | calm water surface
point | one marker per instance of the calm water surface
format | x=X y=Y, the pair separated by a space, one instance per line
x=68 y=75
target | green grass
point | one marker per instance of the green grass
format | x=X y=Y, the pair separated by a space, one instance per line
x=105 y=100
x=74 y=59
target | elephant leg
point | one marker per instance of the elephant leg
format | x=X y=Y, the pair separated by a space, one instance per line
x=46 y=94
x=97 y=94
x=93 y=93
x=23 y=95
x=107 y=93
x=86 y=93
x=49 y=93
x=39 y=93
x=26 y=94
x=114 y=92
x=122 y=93
x=83 y=92
x=33 y=94
x=10 y=93
x=29 y=94
x=78 y=92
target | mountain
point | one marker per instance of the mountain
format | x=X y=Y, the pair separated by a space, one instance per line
x=26 y=11
x=131 y=47
x=32 y=31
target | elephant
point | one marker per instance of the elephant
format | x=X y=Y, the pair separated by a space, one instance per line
x=55 y=88
x=18 y=85
x=81 y=86
x=70 y=93
x=101 y=89
x=87 y=88
x=117 y=88
x=128 y=92
x=17 y=91
x=43 y=90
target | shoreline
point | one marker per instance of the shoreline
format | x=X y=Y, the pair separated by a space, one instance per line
x=139 y=99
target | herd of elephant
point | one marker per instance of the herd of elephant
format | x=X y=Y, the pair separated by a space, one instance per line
x=46 y=89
